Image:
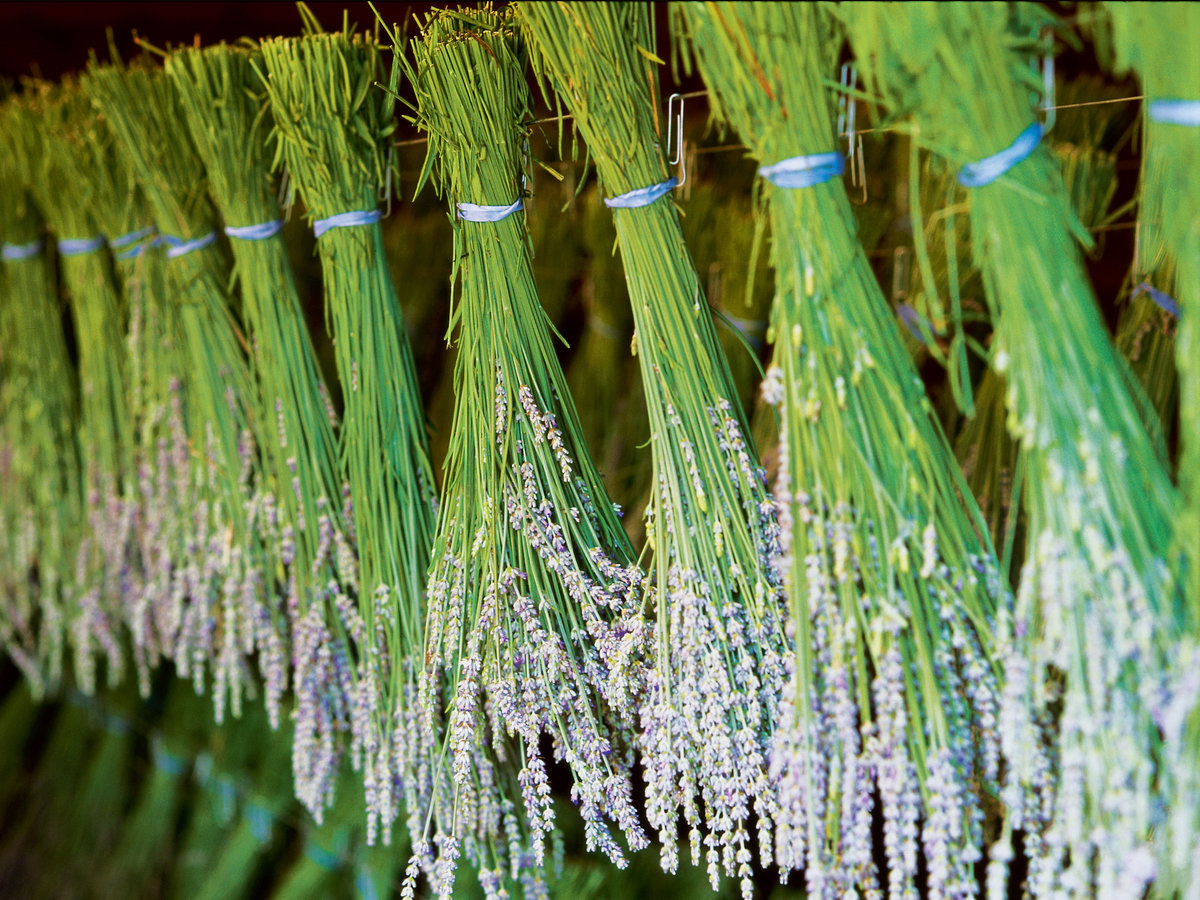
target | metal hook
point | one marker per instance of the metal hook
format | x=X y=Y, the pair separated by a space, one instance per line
x=1049 y=107
x=675 y=127
x=526 y=171
x=847 y=119
x=847 y=111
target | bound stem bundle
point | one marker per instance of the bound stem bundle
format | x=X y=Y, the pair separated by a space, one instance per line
x=153 y=395
x=222 y=98
x=708 y=716
x=40 y=468
x=331 y=123
x=60 y=162
x=215 y=614
x=535 y=624
x=892 y=578
x=1146 y=38
x=1098 y=572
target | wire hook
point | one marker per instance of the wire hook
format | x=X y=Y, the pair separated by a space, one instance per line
x=675 y=128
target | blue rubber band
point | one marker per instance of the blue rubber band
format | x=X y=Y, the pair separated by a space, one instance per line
x=203 y=769
x=641 y=196
x=474 y=212
x=259 y=819
x=326 y=859
x=259 y=232
x=133 y=238
x=167 y=761
x=227 y=795
x=913 y=320
x=80 y=246
x=364 y=884
x=177 y=247
x=804 y=171
x=124 y=240
x=347 y=220
x=15 y=252
x=1175 y=112
x=1165 y=302
x=987 y=170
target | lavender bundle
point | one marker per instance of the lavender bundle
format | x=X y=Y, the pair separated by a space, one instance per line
x=1146 y=38
x=39 y=460
x=215 y=613
x=535 y=624
x=892 y=579
x=311 y=536
x=1098 y=571
x=331 y=124
x=60 y=161
x=713 y=692
x=154 y=401
x=1084 y=139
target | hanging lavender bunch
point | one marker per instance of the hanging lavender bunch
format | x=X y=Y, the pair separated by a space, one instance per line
x=310 y=542
x=714 y=690
x=1090 y=648
x=535 y=623
x=214 y=605
x=40 y=503
x=332 y=124
x=153 y=392
x=1147 y=38
x=892 y=579
x=61 y=159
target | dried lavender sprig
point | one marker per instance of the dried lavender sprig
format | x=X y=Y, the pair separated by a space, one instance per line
x=893 y=581
x=215 y=595
x=1098 y=570
x=331 y=124
x=1146 y=39
x=41 y=504
x=535 y=616
x=714 y=690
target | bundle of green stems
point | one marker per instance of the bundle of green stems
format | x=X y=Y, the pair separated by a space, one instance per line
x=717 y=673
x=331 y=127
x=41 y=503
x=535 y=618
x=892 y=579
x=215 y=616
x=1146 y=38
x=1080 y=730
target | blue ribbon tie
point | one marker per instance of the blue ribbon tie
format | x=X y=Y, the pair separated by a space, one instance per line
x=797 y=172
x=15 y=252
x=474 y=212
x=80 y=246
x=988 y=169
x=641 y=196
x=1175 y=112
x=177 y=247
x=347 y=220
x=259 y=232
x=1165 y=302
